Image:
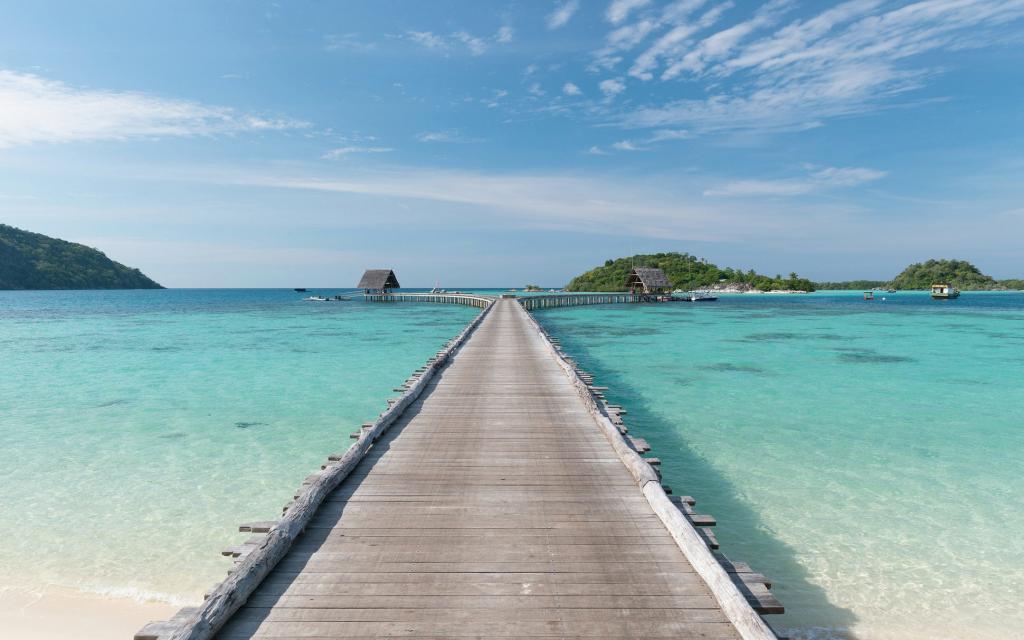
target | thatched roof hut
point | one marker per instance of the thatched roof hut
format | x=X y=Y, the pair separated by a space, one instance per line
x=648 y=280
x=378 y=281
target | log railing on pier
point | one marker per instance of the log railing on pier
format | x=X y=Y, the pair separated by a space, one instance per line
x=549 y=301
x=469 y=299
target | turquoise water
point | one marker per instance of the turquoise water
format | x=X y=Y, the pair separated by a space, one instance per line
x=866 y=456
x=139 y=428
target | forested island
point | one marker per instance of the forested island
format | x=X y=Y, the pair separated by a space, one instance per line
x=34 y=261
x=684 y=272
x=922 y=275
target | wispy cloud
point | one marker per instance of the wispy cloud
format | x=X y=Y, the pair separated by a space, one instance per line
x=476 y=46
x=447 y=135
x=428 y=39
x=644 y=144
x=850 y=59
x=612 y=87
x=626 y=145
x=570 y=89
x=34 y=109
x=562 y=13
x=460 y=40
x=344 y=151
x=817 y=179
x=619 y=10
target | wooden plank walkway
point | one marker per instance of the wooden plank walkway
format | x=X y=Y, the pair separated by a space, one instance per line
x=495 y=505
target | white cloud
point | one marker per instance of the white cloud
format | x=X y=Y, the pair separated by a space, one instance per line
x=718 y=45
x=460 y=39
x=344 y=151
x=562 y=13
x=428 y=39
x=626 y=145
x=612 y=86
x=619 y=10
x=524 y=200
x=662 y=135
x=675 y=43
x=597 y=151
x=448 y=135
x=504 y=35
x=849 y=59
x=535 y=89
x=846 y=176
x=571 y=89
x=816 y=180
x=475 y=45
x=34 y=109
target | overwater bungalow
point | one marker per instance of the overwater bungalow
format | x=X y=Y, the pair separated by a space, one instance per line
x=648 y=281
x=378 y=281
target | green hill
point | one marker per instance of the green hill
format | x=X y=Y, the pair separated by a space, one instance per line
x=961 y=274
x=684 y=272
x=34 y=261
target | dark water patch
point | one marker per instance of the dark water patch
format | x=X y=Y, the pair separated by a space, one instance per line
x=965 y=381
x=166 y=348
x=112 y=403
x=248 y=425
x=831 y=336
x=174 y=435
x=327 y=333
x=774 y=336
x=869 y=356
x=1002 y=335
x=731 y=367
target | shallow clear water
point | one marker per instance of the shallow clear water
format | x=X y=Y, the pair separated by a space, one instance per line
x=866 y=456
x=139 y=428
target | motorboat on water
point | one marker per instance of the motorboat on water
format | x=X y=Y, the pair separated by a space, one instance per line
x=695 y=296
x=943 y=291
x=326 y=299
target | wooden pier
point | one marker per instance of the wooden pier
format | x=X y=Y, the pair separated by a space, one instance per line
x=467 y=299
x=498 y=496
x=549 y=301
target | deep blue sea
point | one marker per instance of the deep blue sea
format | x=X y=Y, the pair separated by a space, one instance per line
x=866 y=456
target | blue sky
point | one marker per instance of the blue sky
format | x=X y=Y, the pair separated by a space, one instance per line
x=497 y=143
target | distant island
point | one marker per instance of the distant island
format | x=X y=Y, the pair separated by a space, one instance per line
x=921 y=275
x=34 y=261
x=687 y=273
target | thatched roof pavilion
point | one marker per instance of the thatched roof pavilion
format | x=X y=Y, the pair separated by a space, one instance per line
x=378 y=281
x=648 y=280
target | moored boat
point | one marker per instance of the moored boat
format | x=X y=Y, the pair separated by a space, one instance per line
x=943 y=291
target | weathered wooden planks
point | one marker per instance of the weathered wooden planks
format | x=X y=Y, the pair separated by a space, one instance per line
x=497 y=504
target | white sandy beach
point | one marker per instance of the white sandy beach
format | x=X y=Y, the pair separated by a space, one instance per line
x=59 y=614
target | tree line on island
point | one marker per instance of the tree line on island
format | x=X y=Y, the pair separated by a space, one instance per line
x=34 y=261
x=689 y=273
x=685 y=272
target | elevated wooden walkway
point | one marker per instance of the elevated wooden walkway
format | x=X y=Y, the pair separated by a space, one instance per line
x=497 y=497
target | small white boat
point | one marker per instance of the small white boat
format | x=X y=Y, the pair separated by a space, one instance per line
x=943 y=291
x=316 y=299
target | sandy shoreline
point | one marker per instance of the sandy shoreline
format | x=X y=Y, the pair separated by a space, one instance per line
x=64 y=614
